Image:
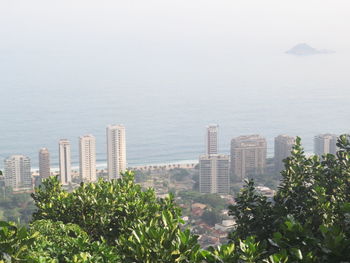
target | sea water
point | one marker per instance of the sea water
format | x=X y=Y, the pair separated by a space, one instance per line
x=165 y=100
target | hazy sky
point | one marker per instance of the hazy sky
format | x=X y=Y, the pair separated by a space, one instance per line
x=70 y=67
x=79 y=24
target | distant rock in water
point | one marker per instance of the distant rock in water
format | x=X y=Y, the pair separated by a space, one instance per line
x=305 y=50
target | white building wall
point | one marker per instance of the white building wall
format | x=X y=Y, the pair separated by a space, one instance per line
x=87 y=156
x=214 y=174
x=44 y=163
x=116 y=151
x=65 y=162
x=17 y=172
x=212 y=139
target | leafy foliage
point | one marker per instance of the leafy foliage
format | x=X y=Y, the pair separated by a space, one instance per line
x=179 y=174
x=211 y=217
x=161 y=240
x=67 y=243
x=309 y=218
x=253 y=214
x=107 y=209
x=15 y=206
x=141 y=227
x=14 y=241
x=48 y=241
x=248 y=250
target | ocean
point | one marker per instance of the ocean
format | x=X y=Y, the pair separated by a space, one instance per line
x=166 y=99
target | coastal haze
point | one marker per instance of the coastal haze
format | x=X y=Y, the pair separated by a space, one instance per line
x=168 y=69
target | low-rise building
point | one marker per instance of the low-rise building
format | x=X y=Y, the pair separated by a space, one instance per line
x=226 y=225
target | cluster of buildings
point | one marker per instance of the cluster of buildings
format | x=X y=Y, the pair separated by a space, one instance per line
x=248 y=158
x=17 y=168
x=210 y=233
x=214 y=167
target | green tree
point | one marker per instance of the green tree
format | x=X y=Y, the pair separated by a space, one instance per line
x=211 y=217
x=315 y=190
x=179 y=174
x=104 y=209
x=142 y=227
x=309 y=220
x=160 y=240
x=14 y=242
x=58 y=242
x=48 y=241
x=253 y=214
x=213 y=200
x=16 y=206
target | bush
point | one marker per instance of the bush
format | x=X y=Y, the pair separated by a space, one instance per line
x=309 y=218
x=107 y=209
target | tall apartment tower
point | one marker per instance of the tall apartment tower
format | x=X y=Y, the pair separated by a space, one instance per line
x=116 y=151
x=283 y=148
x=65 y=161
x=212 y=139
x=214 y=174
x=325 y=143
x=44 y=163
x=17 y=172
x=87 y=157
x=248 y=156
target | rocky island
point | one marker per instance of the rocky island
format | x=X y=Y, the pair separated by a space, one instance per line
x=306 y=50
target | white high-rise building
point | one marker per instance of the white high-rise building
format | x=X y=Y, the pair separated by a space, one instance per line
x=116 y=151
x=283 y=148
x=248 y=156
x=17 y=172
x=214 y=174
x=212 y=139
x=325 y=143
x=44 y=163
x=65 y=162
x=87 y=155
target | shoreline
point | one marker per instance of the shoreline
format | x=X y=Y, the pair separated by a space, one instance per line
x=184 y=164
